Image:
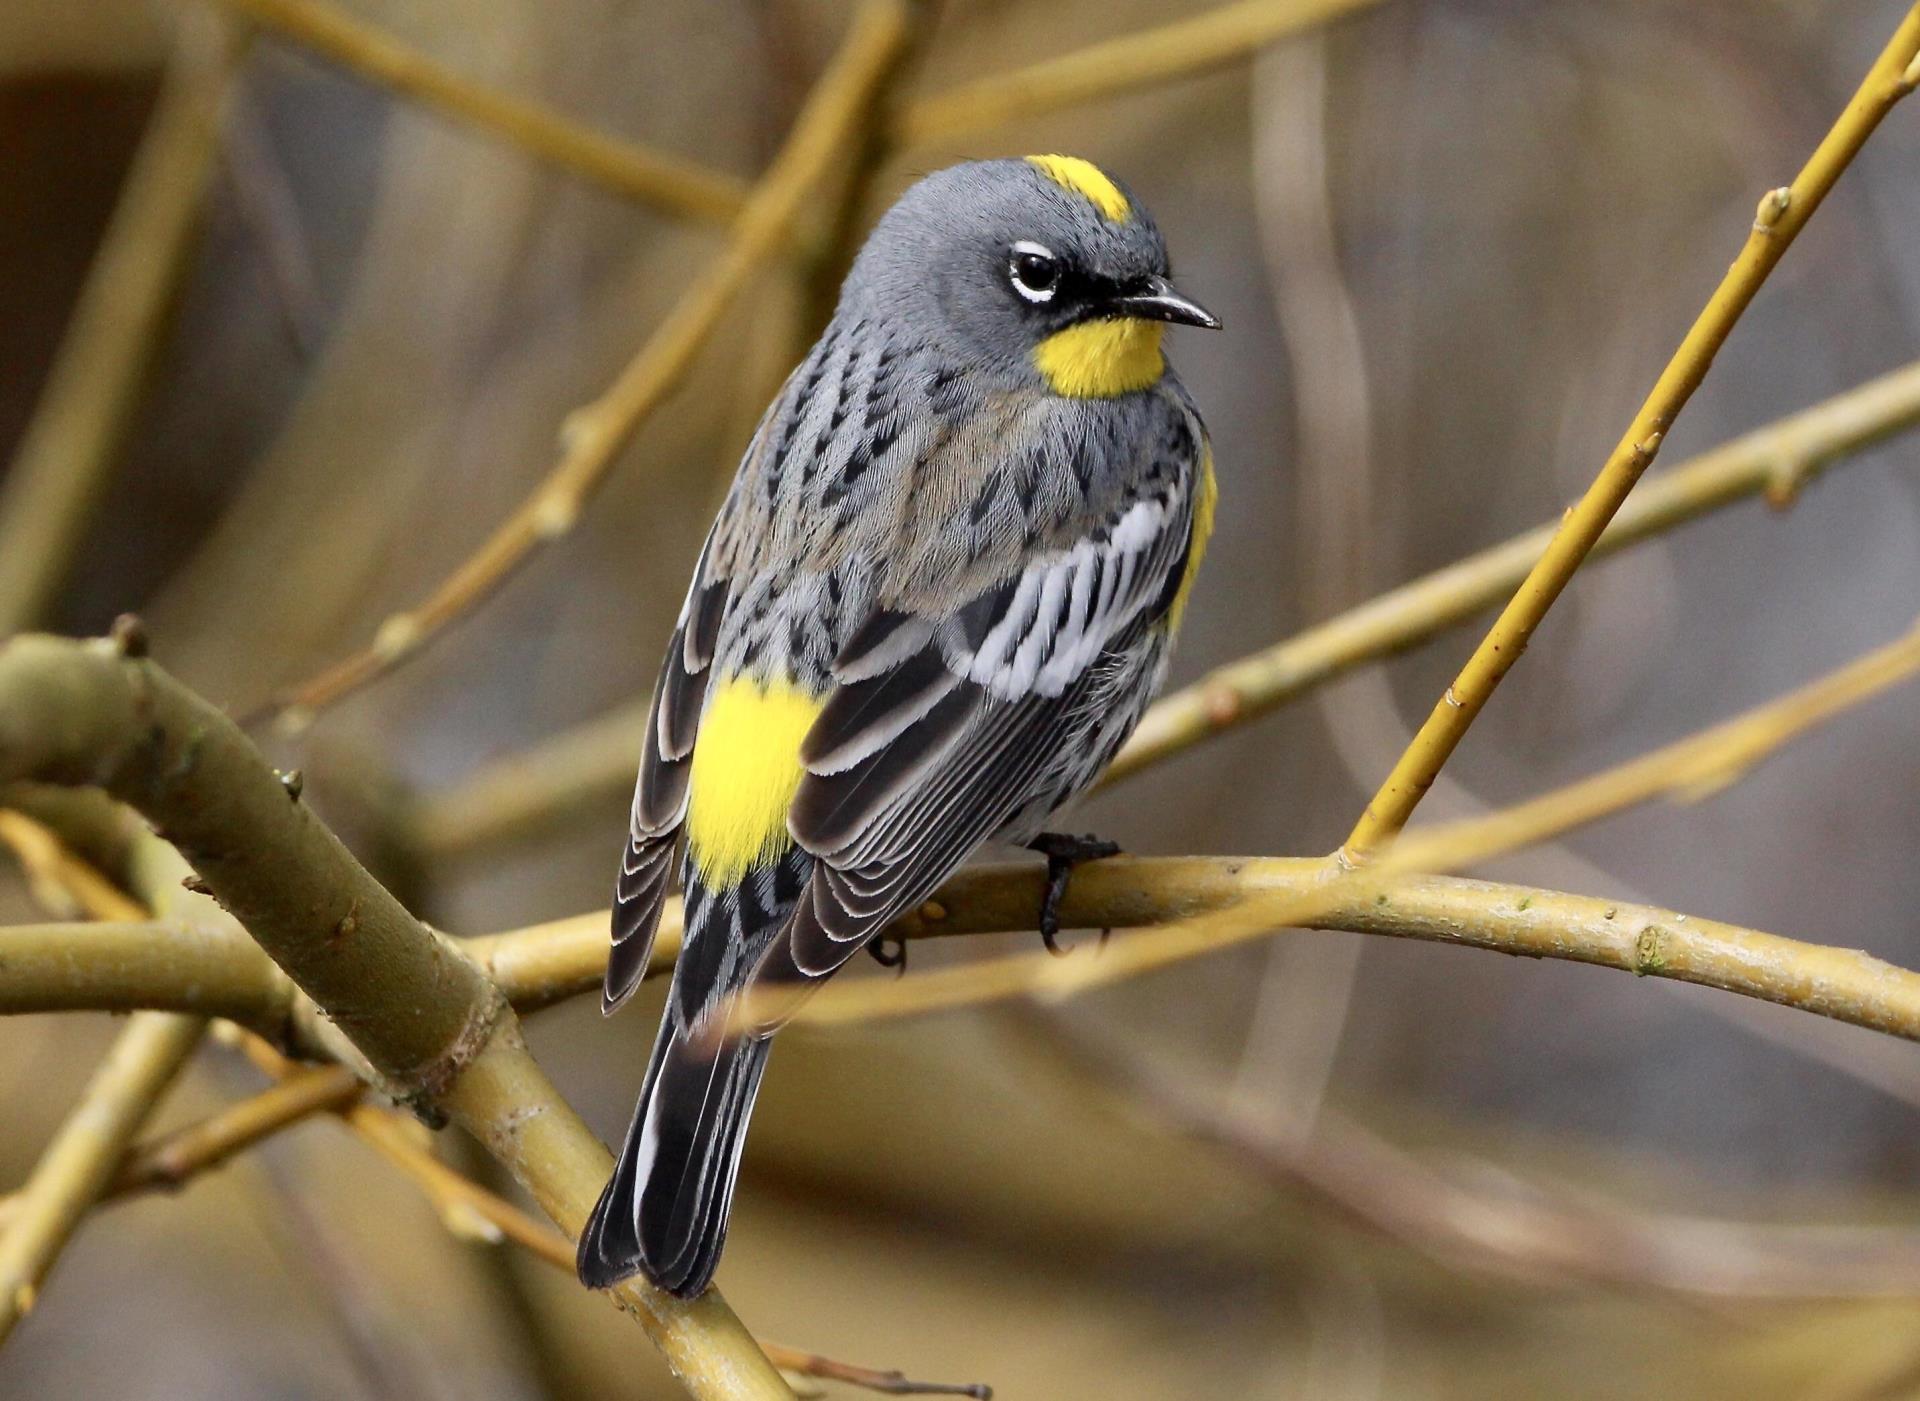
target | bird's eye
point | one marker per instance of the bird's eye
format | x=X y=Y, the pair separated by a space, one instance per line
x=1035 y=271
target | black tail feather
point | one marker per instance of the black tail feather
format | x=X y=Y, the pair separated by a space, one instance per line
x=664 y=1211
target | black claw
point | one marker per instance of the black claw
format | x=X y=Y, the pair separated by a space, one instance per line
x=896 y=959
x=1063 y=853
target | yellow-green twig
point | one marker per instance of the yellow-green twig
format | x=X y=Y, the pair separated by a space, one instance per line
x=1386 y=895
x=1776 y=460
x=527 y=792
x=1173 y=50
x=1779 y=219
x=79 y=1164
x=667 y=182
x=593 y=436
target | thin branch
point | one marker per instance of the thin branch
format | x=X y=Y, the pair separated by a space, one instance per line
x=61 y=881
x=267 y=206
x=66 y=457
x=520 y=795
x=1534 y=1234
x=664 y=181
x=469 y=1209
x=593 y=763
x=170 y=1161
x=1264 y=895
x=1177 y=50
x=79 y=1164
x=1781 y=216
x=426 y=1017
x=828 y=126
x=1776 y=460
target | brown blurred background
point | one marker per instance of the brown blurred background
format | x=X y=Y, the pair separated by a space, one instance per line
x=1453 y=242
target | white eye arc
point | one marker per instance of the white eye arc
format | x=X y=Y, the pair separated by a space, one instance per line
x=1034 y=271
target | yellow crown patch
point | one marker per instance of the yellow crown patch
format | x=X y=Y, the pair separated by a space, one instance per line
x=1088 y=180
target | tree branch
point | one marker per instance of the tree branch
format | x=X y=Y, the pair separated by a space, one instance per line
x=1531 y=1233
x=79 y=1164
x=168 y=1162
x=637 y=172
x=1781 y=216
x=145 y=1059
x=1384 y=896
x=826 y=129
x=1233 y=899
x=427 y=1017
x=67 y=454
x=1776 y=460
x=1177 y=50
x=525 y=793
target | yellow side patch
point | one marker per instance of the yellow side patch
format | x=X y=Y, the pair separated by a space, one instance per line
x=746 y=769
x=1101 y=359
x=1085 y=178
x=1203 y=506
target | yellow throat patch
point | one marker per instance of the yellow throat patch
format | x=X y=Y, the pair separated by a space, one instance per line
x=1086 y=179
x=1101 y=359
x=746 y=769
x=1096 y=359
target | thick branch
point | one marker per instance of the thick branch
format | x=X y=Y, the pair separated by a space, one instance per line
x=1115 y=66
x=827 y=128
x=667 y=182
x=1781 y=216
x=1232 y=899
x=66 y=457
x=426 y=1016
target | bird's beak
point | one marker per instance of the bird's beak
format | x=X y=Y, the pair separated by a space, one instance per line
x=1153 y=299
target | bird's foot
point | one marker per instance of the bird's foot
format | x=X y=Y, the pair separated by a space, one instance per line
x=1063 y=853
x=897 y=959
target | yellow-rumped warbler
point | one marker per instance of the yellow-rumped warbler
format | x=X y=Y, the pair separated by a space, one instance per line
x=939 y=595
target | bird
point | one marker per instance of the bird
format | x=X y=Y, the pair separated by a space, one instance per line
x=938 y=596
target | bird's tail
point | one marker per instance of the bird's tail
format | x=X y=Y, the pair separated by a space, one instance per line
x=664 y=1211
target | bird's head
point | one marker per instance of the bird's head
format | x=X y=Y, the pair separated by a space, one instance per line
x=1038 y=270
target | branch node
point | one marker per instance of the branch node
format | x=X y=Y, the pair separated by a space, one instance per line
x=1649 y=951
x=1787 y=474
x=555 y=515
x=128 y=636
x=396 y=637
x=1773 y=204
x=293 y=781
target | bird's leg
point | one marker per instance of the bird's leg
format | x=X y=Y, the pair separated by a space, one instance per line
x=1063 y=853
x=896 y=959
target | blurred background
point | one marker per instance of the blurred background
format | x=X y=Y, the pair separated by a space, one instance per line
x=1453 y=242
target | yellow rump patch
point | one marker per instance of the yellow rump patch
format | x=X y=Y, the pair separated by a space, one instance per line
x=1085 y=178
x=1203 y=508
x=1101 y=359
x=746 y=769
